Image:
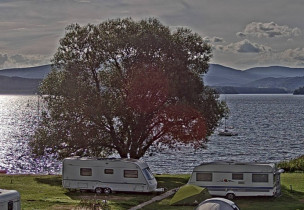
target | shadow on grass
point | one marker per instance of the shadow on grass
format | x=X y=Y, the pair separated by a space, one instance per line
x=287 y=200
x=50 y=180
x=119 y=200
x=291 y=194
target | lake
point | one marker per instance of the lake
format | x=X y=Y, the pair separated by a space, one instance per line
x=270 y=129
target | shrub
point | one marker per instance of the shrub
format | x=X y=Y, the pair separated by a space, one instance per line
x=293 y=165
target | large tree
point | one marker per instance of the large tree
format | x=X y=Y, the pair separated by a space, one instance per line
x=123 y=85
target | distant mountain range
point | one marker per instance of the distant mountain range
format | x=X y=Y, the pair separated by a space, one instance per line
x=37 y=72
x=273 y=79
x=22 y=80
x=18 y=85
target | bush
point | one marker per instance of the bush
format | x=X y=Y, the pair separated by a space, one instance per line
x=94 y=204
x=293 y=165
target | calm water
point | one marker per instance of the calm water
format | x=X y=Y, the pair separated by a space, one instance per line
x=270 y=128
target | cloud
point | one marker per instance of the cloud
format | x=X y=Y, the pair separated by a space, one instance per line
x=3 y=59
x=19 y=60
x=293 y=56
x=241 y=34
x=214 y=40
x=206 y=39
x=27 y=60
x=217 y=40
x=244 y=46
x=269 y=30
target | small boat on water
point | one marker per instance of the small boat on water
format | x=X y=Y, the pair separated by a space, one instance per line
x=227 y=132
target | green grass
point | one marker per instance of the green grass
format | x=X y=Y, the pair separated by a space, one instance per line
x=45 y=192
x=293 y=200
x=38 y=192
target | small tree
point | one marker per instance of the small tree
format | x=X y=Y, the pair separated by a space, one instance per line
x=123 y=85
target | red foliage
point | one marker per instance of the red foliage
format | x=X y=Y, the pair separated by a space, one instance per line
x=148 y=93
x=184 y=123
x=146 y=90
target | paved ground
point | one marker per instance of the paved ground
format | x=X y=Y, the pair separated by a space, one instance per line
x=156 y=198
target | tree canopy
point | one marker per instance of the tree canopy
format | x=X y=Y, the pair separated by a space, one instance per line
x=123 y=85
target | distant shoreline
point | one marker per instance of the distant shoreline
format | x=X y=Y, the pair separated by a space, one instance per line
x=18 y=93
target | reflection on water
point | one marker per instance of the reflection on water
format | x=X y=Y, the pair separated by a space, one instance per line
x=270 y=128
x=18 y=120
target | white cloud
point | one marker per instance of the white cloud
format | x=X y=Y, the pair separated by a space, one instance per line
x=206 y=39
x=3 y=59
x=214 y=40
x=19 y=60
x=295 y=56
x=217 y=40
x=244 y=46
x=241 y=34
x=269 y=30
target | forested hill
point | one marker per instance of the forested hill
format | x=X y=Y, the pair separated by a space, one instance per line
x=36 y=72
x=18 y=85
x=273 y=79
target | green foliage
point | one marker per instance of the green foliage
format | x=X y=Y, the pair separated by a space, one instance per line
x=296 y=164
x=123 y=85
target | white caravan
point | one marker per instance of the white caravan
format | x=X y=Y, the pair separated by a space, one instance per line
x=9 y=200
x=238 y=179
x=107 y=175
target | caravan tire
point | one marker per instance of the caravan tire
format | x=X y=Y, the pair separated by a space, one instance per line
x=107 y=191
x=230 y=196
x=98 y=190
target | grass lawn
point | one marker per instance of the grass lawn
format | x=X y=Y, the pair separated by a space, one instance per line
x=45 y=192
x=293 y=200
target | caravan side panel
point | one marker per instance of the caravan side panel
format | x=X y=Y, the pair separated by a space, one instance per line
x=116 y=174
x=10 y=199
x=237 y=179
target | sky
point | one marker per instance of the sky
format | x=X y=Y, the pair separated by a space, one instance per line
x=242 y=33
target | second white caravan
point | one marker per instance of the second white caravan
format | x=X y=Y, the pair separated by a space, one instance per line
x=107 y=175
x=232 y=179
x=9 y=200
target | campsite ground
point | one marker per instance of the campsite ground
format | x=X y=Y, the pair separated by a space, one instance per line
x=45 y=192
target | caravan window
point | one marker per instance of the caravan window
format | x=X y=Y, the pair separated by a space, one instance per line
x=259 y=177
x=130 y=173
x=206 y=177
x=148 y=174
x=237 y=176
x=85 y=172
x=109 y=171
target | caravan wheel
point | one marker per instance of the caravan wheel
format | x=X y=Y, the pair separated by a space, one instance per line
x=230 y=196
x=107 y=191
x=98 y=190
